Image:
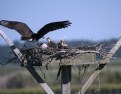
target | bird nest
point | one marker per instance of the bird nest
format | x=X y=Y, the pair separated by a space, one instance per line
x=39 y=57
x=43 y=57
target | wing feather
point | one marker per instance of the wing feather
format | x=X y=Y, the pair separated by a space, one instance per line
x=52 y=26
x=20 y=27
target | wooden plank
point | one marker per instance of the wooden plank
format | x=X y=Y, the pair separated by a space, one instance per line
x=87 y=58
x=66 y=88
x=66 y=79
x=39 y=79
x=100 y=67
x=10 y=43
x=29 y=68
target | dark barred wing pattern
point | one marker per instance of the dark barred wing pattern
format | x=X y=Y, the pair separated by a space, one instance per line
x=27 y=33
x=51 y=27
x=20 y=27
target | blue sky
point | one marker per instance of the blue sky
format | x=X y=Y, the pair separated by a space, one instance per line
x=91 y=19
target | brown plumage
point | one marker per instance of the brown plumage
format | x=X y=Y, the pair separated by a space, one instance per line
x=27 y=33
x=51 y=43
x=63 y=45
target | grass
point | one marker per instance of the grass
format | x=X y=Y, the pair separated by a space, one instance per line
x=109 y=77
x=36 y=90
x=56 y=89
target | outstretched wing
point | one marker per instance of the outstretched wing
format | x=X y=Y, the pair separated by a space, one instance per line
x=20 y=27
x=51 y=27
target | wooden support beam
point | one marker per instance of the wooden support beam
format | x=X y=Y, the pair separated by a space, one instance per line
x=66 y=70
x=10 y=43
x=100 y=67
x=39 y=79
x=29 y=67
x=66 y=79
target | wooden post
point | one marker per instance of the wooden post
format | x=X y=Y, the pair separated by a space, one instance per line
x=100 y=67
x=39 y=79
x=66 y=70
x=29 y=67
x=66 y=79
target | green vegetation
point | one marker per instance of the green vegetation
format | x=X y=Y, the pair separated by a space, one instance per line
x=56 y=89
x=16 y=80
x=19 y=81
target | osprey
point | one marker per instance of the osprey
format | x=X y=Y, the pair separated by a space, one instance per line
x=62 y=45
x=27 y=33
x=43 y=46
x=51 y=43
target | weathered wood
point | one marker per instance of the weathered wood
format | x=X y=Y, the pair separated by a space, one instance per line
x=66 y=79
x=39 y=79
x=100 y=67
x=87 y=58
x=29 y=68
x=38 y=57
x=10 y=43
x=66 y=88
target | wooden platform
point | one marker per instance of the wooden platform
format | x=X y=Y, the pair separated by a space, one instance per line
x=38 y=57
x=83 y=58
x=88 y=58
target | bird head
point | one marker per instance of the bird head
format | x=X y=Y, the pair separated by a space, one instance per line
x=62 y=42
x=33 y=38
x=48 y=39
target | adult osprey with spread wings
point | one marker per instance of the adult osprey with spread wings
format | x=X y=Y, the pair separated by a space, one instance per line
x=27 y=33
